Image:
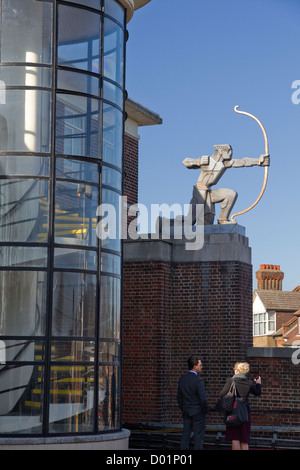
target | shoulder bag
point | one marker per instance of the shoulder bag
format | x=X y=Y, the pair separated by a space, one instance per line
x=225 y=404
x=239 y=413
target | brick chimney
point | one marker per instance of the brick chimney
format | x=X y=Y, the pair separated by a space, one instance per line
x=269 y=277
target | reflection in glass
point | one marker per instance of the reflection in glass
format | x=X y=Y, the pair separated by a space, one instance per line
x=109 y=351
x=22 y=303
x=88 y=125
x=25 y=75
x=113 y=51
x=110 y=263
x=26 y=31
x=78 y=38
x=73 y=351
x=88 y=3
x=74 y=299
x=18 y=256
x=29 y=112
x=112 y=93
x=110 y=294
x=75 y=259
x=72 y=399
x=78 y=82
x=114 y=9
x=24 y=210
x=77 y=170
x=111 y=177
x=77 y=126
x=75 y=213
x=112 y=231
x=21 y=408
x=112 y=135
x=24 y=165
x=109 y=398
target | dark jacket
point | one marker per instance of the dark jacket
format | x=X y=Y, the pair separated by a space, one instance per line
x=191 y=395
x=244 y=387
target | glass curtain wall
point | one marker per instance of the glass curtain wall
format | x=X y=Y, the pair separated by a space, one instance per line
x=61 y=147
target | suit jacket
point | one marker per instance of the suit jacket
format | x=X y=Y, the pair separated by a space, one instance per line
x=191 y=395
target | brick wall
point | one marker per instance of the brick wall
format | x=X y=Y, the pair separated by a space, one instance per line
x=171 y=310
x=131 y=168
x=279 y=404
x=146 y=340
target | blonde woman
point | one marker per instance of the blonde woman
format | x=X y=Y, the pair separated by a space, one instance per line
x=240 y=435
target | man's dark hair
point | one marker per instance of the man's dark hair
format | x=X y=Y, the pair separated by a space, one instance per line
x=193 y=361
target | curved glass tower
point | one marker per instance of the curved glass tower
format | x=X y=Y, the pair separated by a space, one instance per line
x=61 y=147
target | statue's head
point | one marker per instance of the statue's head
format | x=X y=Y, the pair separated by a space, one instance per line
x=224 y=150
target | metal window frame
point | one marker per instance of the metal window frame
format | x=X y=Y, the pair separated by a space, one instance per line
x=50 y=270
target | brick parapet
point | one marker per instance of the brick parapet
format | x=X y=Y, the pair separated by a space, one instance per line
x=170 y=310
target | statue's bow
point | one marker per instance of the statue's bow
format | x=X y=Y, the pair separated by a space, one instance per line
x=266 y=167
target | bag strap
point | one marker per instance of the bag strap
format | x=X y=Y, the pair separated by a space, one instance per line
x=233 y=388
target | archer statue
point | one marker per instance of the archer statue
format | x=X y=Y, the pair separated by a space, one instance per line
x=212 y=169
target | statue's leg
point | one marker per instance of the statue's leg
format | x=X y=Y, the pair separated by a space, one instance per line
x=227 y=197
x=198 y=198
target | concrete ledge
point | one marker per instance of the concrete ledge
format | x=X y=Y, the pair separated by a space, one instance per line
x=284 y=353
x=221 y=243
x=110 y=441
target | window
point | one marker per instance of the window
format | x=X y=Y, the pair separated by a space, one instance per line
x=264 y=323
x=61 y=147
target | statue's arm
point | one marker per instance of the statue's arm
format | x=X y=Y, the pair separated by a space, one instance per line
x=193 y=163
x=263 y=160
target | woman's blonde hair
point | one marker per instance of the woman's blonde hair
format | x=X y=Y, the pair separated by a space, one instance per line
x=242 y=367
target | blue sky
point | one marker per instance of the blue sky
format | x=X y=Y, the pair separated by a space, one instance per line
x=191 y=62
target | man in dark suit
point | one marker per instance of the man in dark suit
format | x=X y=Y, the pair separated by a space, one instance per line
x=191 y=399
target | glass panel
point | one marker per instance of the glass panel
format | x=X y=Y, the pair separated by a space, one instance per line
x=22 y=304
x=75 y=259
x=110 y=297
x=24 y=165
x=110 y=263
x=21 y=76
x=24 y=210
x=109 y=223
x=74 y=303
x=78 y=82
x=78 y=38
x=72 y=399
x=21 y=404
x=109 y=351
x=112 y=93
x=18 y=256
x=112 y=178
x=26 y=350
x=112 y=135
x=109 y=398
x=26 y=31
x=73 y=351
x=77 y=170
x=113 y=51
x=114 y=9
x=77 y=126
x=28 y=112
x=89 y=3
x=75 y=214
